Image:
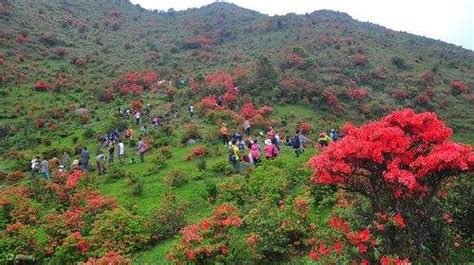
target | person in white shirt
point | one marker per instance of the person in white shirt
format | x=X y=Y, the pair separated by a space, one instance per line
x=121 y=152
x=35 y=166
x=138 y=115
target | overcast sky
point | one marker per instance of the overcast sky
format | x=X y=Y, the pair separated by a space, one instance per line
x=448 y=20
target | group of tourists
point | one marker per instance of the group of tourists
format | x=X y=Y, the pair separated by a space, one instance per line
x=249 y=151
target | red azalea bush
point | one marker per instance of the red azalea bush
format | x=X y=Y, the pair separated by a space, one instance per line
x=305 y=127
x=209 y=241
x=357 y=93
x=197 y=152
x=399 y=93
x=459 y=86
x=360 y=60
x=134 y=83
x=137 y=105
x=248 y=111
x=41 y=85
x=397 y=163
x=426 y=77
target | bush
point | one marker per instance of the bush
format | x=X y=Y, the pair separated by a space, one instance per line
x=114 y=173
x=176 y=178
x=222 y=168
x=166 y=152
x=88 y=133
x=167 y=220
x=119 y=230
x=201 y=165
x=137 y=188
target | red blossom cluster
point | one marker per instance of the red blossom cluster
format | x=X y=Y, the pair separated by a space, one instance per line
x=305 y=127
x=426 y=76
x=107 y=259
x=207 y=239
x=357 y=93
x=196 y=152
x=73 y=178
x=399 y=93
x=134 y=83
x=220 y=79
x=20 y=38
x=459 y=86
x=360 y=60
x=136 y=105
x=41 y=85
x=405 y=153
x=201 y=41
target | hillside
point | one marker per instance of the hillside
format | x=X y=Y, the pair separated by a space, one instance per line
x=323 y=59
x=392 y=189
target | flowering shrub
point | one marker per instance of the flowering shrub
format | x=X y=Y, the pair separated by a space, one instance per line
x=305 y=127
x=357 y=93
x=41 y=85
x=426 y=77
x=397 y=164
x=166 y=221
x=459 y=86
x=360 y=60
x=399 y=93
x=248 y=110
x=197 y=152
x=118 y=230
x=137 y=105
x=74 y=178
x=108 y=258
x=208 y=241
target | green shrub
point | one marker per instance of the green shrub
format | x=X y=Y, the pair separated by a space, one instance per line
x=201 y=165
x=137 y=188
x=114 y=173
x=119 y=230
x=88 y=133
x=176 y=178
x=221 y=168
x=166 y=152
x=167 y=220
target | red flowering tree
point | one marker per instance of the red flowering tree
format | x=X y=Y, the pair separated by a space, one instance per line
x=398 y=164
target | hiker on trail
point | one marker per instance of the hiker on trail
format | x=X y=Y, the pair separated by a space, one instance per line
x=65 y=160
x=100 y=160
x=241 y=145
x=224 y=133
x=324 y=139
x=35 y=166
x=147 y=109
x=137 y=116
x=127 y=113
x=155 y=123
x=121 y=152
x=142 y=149
x=237 y=136
x=271 y=134
x=247 y=127
x=119 y=112
x=111 y=148
x=75 y=164
x=234 y=155
x=85 y=159
x=297 y=143
x=333 y=134
x=220 y=101
x=61 y=171
x=271 y=151
x=144 y=130
x=191 y=111
x=45 y=169
x=255 y=151
x=129 y=133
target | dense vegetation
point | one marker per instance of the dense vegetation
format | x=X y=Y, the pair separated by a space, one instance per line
x=393 y=190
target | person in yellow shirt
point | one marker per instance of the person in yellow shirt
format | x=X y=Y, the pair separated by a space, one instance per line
x=234 y=156
x=324 y=139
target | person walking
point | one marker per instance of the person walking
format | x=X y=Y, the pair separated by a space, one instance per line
x=138 y=115
x=333 y=134
x=65 y=160
x=142 y=149
x=191 y=111
x=234 y=156
x=247 y=127
x=85 y=159
x=271 y=151
x=255 y=151
x=324 y=139
x=45 y=169
x=297 y=143
x=121 y=152
x=35 y=166
x=224 y=134
x=111 y=151
x=100 y=160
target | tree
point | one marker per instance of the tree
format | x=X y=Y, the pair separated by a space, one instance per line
x=266 y=76
x=399 y=164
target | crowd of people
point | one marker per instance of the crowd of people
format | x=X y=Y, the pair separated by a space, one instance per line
x=244 y=148
x=249 y=150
